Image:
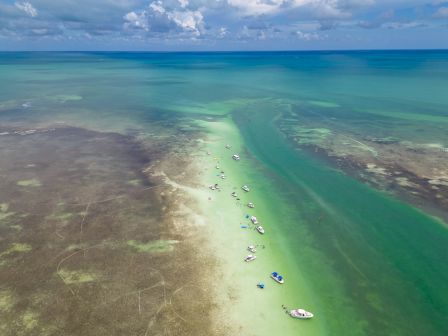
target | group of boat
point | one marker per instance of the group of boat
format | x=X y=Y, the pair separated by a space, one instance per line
x=295 y=313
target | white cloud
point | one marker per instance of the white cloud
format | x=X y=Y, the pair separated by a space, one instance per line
x=183 y=3
x=223 y=32
x=162 y=20
x=339 y=9
x=257 y=7
x=307 y=36
x=27 y=8
x=442 y=12
x=157 y=6
x=188 y=20
x=134 y=20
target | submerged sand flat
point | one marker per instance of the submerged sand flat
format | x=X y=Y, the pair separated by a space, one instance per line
x=88 y=244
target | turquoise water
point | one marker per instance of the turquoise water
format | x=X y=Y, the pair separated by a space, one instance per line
x=375 y=265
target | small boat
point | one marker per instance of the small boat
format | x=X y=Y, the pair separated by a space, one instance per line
x=223 y=176
x=217 y=167
x=301 y=314
x=260 y=229
x=252 y=249
x=212 y=187
x=233 y=194
x=245 y=188
x=235 y=157
x=277 y=277
x=228 y=146
x=251 y=205
x=254 y=220
x=250 y=257
x=260 y=285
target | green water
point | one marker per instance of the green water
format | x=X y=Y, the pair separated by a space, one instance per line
x=375 y=266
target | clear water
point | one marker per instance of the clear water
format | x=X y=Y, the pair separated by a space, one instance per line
x=376 y=266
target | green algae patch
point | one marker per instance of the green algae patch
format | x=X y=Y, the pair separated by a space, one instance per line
x=76 y=277
x=64 y=217
x=324 y=104
x=29 y=320
x=29 y=183
x=4 y=211
x=153 y=246
x=66 y=98
x=311 y=135
x=7 y=300
x=134 y=182
x=16 y=248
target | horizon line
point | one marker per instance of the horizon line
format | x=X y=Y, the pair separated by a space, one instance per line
x=228 y=51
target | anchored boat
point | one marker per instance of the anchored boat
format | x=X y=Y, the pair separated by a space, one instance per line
x=251 y=205
x=277 y=277
x=260 y=229
x=251 y=248
x=250 y=257
x=245 y=188
x=301 y=314
x=235 y=157
x=254 y=219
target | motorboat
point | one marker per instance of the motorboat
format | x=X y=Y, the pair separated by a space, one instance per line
x=245 y=188
x=228 y=146
x=212 y=187
x=250 y=257
x=251 y=248
x=251 y=205
x=235 y=157
x=277 y=277
x=260 y=229
x=223 y=176
x=254 y=220
x=301 y=314
x=233 y=194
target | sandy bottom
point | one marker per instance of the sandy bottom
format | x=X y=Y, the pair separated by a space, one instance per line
x=247 y=309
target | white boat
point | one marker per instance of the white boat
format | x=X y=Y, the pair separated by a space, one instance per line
x=251 y=205
x=260 y=229
x=212 y=187
x=228 y=146
x=251 y=248
x=277 y=277
x=301 y=314
x=254 y=220
x=250 y=257
x=245 y=188
x=235 y=157
x=223 y=176
x=233 y=194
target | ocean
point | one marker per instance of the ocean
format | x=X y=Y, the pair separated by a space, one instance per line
x=348 y=150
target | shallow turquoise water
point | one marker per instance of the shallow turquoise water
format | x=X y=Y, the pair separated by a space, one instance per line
x=360 y=248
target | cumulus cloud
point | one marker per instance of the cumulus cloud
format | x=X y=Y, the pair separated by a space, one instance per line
x=215 y=22
x=157 y=18
x=27 y=8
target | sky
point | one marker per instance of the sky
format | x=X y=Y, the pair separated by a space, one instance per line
x=220 y=25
